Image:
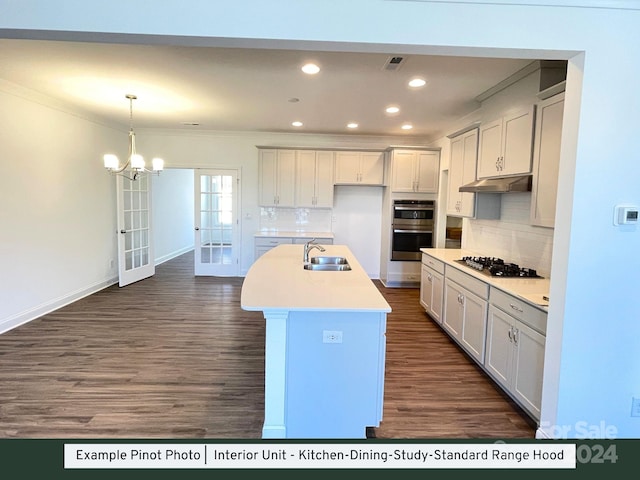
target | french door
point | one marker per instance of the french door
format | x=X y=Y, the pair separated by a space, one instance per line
x=216 y=222
x=135 y=248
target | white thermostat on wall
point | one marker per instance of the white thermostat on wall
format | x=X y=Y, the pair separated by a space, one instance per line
x=625 y=215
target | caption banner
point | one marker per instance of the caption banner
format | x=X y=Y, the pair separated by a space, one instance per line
x=282 y=456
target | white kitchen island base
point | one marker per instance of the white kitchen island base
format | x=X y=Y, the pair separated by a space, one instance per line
x=324 y=345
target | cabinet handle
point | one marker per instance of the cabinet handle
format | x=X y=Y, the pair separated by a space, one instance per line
x=516 y=308
x=429 y=278
x=516 y=334
x=510 y=334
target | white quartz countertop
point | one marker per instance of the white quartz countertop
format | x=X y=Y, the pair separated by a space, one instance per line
x=293 y=234
x=531 y=290
x=278 y=281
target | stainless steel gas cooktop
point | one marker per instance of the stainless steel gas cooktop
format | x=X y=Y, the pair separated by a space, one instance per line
x=496 y=267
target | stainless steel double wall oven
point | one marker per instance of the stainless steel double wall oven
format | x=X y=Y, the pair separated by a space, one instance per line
x=412 y=228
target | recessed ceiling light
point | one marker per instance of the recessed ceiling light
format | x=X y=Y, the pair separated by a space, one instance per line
x=407 y=126
x=352 y=125
x=190 y=124
x=417 y=82
x=293 y=100
x=392 y=109
x=296 y=124
x=310 y=68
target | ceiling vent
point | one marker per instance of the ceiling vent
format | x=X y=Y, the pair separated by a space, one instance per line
x=393 y=64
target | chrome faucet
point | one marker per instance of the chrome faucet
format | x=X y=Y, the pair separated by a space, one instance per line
x=310 y=245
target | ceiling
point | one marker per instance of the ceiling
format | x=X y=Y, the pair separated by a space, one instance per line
x=241 y=89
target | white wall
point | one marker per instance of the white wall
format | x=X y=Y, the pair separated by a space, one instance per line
x=593 y=335
x=57 y=209
x=172 y=213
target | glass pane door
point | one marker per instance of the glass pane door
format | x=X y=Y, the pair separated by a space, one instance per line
x=216 y=223
x=135 y=251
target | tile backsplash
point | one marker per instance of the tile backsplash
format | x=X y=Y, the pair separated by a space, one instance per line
x=512 y=238
x=296 y=219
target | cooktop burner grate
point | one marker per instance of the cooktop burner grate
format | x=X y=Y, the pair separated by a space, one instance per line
x=497 y=267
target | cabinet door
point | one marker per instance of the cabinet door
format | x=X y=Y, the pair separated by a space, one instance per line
x=347 y=167
x=372 y=168
x=517 y=142
x=546 y=159
x=427 y=170
x=403 y=171
x=528 y=367
x=455 y=175
x=437 y=294
x=490 y=148
x=474 y=325
x=499 y=354
x=453 y=309
x=305 y=178
x=268 y=177
x=324 y=179
x=469 y=163
x=426 y=287
x=286 y=178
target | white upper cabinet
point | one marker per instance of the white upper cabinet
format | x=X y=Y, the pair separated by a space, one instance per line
x=415 y=170
x=359 y=168
x=462 y=170
x=314 y=179
x=506 y=145
x=277 y=177
x=546 y=158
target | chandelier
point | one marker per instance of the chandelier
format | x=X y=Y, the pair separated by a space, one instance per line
x=135 y=162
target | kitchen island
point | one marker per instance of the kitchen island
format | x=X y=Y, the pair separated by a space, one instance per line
x=324 y=344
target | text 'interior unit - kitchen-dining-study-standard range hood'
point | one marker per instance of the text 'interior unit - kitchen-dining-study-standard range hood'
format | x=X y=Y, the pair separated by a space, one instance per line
x=520 y=183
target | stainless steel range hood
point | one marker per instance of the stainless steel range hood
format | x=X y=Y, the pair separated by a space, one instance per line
x=521 y=183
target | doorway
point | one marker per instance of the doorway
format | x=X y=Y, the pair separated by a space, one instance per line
x=217 y=229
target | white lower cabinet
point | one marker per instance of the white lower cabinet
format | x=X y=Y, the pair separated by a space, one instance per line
x=432 y=291
x=465 y=311
x=515 y=351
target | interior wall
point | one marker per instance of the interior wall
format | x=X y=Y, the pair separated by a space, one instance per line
x=58 y=215
x=172 y=213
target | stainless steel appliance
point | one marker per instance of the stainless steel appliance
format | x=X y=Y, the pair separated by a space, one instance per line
x=412 y=228
x=496 y=267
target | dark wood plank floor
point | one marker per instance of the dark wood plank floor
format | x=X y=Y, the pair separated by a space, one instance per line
x=174 y=356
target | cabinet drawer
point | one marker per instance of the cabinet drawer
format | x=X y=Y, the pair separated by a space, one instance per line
x=474 y=285
x=272 y=241
x=429 y=261
x=526 y=313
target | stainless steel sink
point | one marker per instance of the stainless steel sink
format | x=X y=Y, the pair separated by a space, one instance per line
x=328 y=267
x=322 y=260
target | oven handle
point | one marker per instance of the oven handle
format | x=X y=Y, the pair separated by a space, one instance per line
x=397 y=230
x=421 y=209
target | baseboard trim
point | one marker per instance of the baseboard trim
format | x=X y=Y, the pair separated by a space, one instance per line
x=400 y=284
x=172 y=255
x=28 y=315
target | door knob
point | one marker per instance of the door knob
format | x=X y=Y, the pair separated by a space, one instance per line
x=123 y=231
x=197 y=228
